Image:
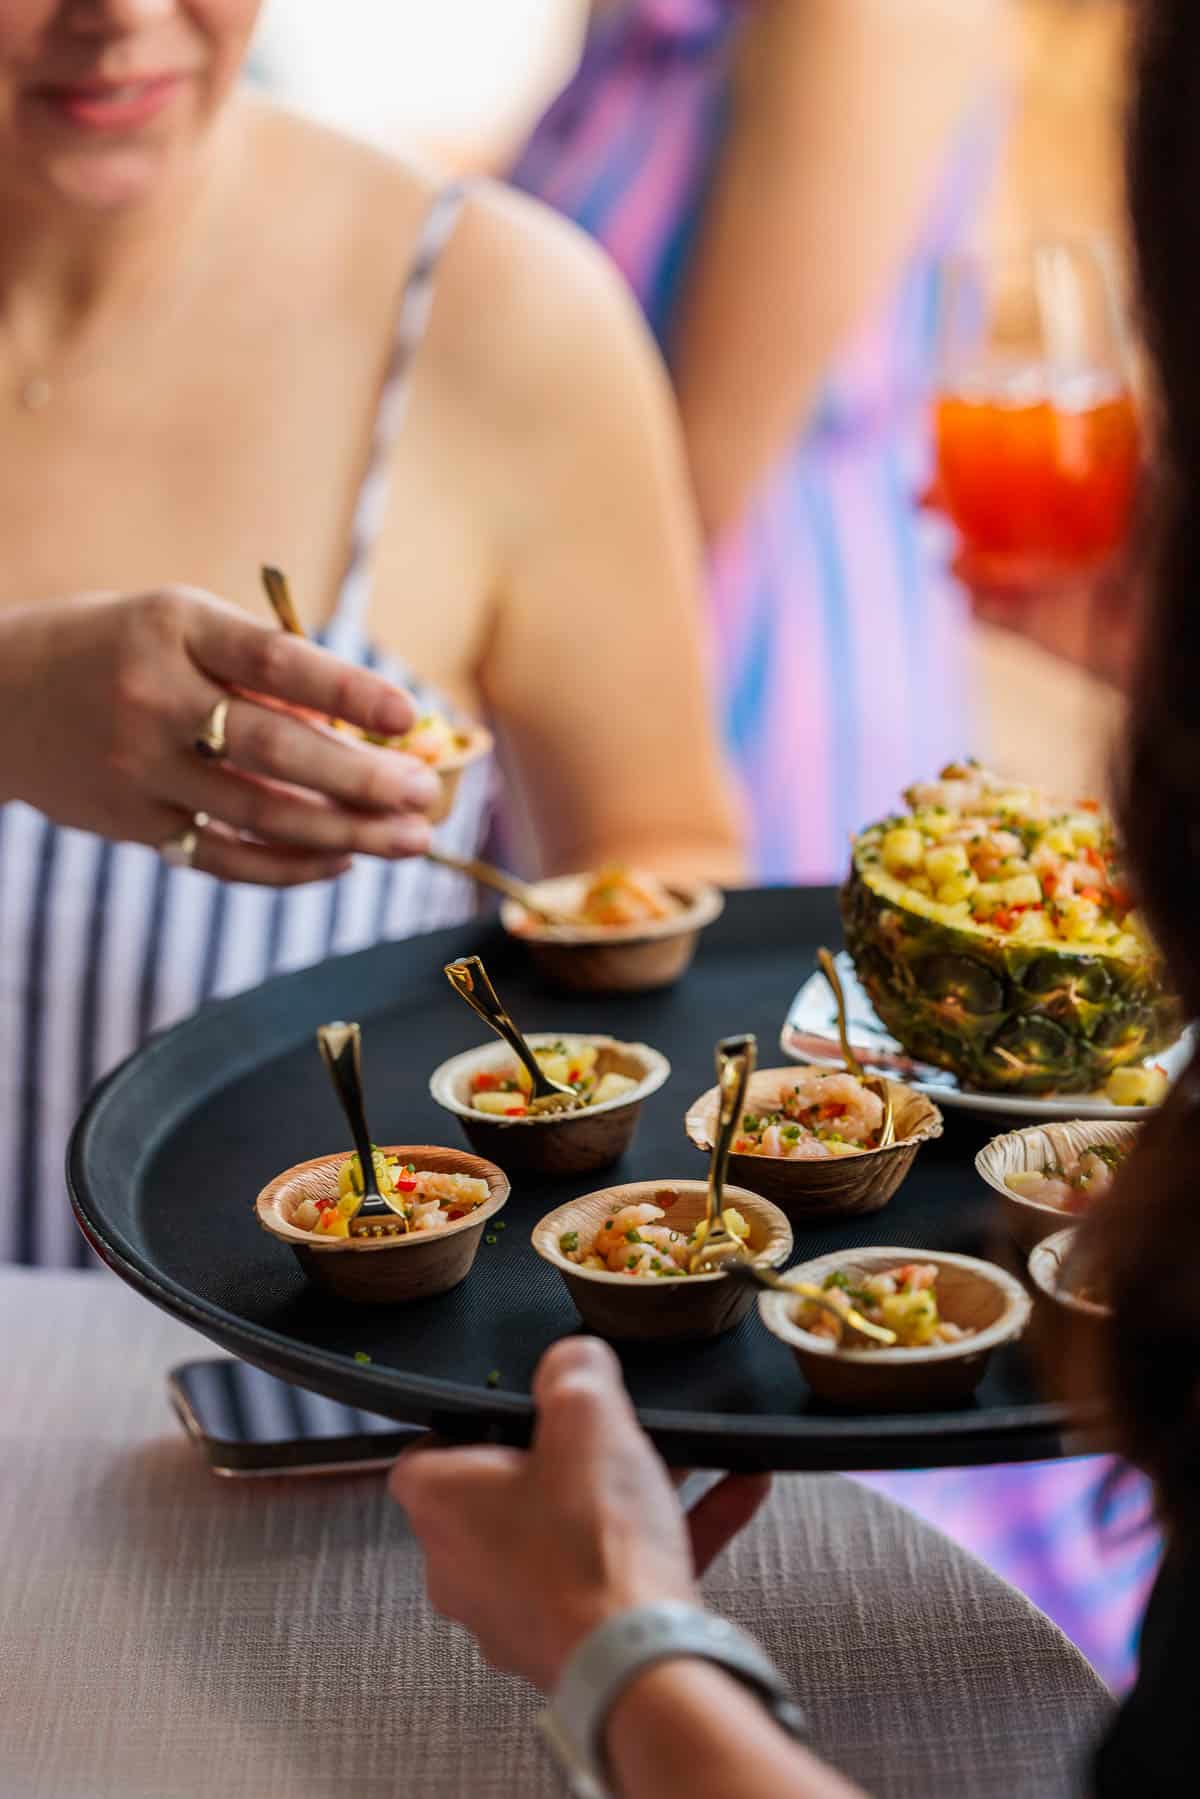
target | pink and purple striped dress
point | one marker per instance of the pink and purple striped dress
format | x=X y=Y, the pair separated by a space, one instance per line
x=840 y=636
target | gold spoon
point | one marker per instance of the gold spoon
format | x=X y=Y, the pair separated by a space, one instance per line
x=498 y=881
x=745 y=1270
x=715 y=1242
x=341 y=1051
x=887 y=1132
x=280 y=596
x=469 y=979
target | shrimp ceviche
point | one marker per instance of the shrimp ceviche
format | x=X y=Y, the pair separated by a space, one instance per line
x=821 y=1114
x=425 y=1199
x=616 y=896
x=433 y=740
x=635 y=1240
x=904 y=1300
x=504 y=1092
x=1073 y=1185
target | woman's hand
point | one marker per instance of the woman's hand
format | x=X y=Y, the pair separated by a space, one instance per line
x=532 y=1550
x=102 y=698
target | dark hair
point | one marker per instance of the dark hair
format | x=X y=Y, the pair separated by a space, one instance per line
x=1147 y=1239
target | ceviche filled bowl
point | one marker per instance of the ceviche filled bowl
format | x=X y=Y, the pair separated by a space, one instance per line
x=486 y=1090
x=616 y=930
x=948 y=1313
x=1048 y=1174
x=809 y=1139
x=624 y=1252
x=993 y=930
x=447 y=1198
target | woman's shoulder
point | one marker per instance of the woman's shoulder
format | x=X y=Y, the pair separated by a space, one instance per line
x=524 y=302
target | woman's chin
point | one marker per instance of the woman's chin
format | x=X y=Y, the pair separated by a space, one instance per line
x=111 y=181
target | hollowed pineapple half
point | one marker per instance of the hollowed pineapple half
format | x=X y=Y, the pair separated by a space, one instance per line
x=991 y=928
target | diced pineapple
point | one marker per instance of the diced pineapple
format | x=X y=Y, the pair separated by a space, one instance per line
x=1086 y=830
x=1126 y=945
x=497 y=1103
x=1078 y=918
x=988 y=898
x=332 y=1224
x=1060 y=839
x=612 y=1086
x=1023 y=890
x=945 y=863
x=1137 y=1086
x=1033 y=927
x=554 y=1064
x=903 y=849
x=921 y=884
x=934 y=824
x=959 y=887
x=913 y=1316
x=1012 y=866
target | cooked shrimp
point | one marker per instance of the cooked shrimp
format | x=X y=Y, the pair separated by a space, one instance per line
x=915 y=1277
x=614 y=1232
x=851 y=1109
x=667 y=1242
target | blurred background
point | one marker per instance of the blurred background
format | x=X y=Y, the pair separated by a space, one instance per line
x=461 y=83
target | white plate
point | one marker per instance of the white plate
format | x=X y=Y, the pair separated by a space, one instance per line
x=810 y=1035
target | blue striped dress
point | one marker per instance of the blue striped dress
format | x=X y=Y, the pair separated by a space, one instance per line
x=102 y=943
x=840 y=637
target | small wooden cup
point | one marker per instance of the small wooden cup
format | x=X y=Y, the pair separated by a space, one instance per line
x=473 y=743
x=1070 y=1334
x=970 y=1293
x=552 y=1143
x=840 y=1186
x=634 y=958
x=647 y=1309
x=1019 y=1152
x=388 y=1270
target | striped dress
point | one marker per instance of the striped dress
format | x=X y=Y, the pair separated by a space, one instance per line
x=840 y=639
x=102 y=943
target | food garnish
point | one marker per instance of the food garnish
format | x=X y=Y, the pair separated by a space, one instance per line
x=995 y=933
x=903 y=1300
x=633 y=1240
x=504 y=1092
x=820 y=1115
x=427 y=1199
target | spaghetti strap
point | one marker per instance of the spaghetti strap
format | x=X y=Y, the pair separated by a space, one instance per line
x=346 y=630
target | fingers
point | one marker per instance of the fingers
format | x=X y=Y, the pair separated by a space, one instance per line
x=234 y=650
x=222 y=852
x=583 y=1408
x=722 y=1512
x=292 y=816
x=269 y=742
x=436 y=1486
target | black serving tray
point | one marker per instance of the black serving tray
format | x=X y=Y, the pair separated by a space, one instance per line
x=170 y=1152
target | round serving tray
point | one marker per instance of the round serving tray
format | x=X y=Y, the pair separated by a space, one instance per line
x=171 y=1150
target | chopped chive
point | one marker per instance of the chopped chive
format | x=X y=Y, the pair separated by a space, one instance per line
x=360 y=1355
x=493 y=1379
x=569 y=1242
x=490 y=1238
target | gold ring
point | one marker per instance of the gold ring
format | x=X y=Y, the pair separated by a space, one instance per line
x=210 y=738
x=180 y=851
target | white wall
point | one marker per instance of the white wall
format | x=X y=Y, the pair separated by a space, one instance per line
x=459 y=77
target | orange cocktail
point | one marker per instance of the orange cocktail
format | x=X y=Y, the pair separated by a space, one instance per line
x=1038 y=476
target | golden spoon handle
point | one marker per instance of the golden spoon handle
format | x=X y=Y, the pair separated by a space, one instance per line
x=829 y=969
x=279 y=594
x=495 y=878
x=470 y=980
x=736 y=1057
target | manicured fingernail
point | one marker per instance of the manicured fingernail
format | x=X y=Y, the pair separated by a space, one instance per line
x=396 y=714
x=424 y=788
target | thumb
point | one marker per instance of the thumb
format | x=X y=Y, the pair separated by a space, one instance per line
x=582 y=1405
x=722 y=1512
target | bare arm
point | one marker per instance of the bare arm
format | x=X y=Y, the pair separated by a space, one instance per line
x=594 y=664
x=843 y=111
x=734 y=1749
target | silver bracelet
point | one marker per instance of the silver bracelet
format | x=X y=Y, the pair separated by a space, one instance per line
x=608 y=1659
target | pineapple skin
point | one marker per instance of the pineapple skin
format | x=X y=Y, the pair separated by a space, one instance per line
x=1028 y=1018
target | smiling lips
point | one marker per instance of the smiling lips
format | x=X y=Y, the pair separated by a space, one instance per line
x=110 y=105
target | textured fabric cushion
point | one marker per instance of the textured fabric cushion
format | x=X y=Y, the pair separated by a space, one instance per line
x=166 y=1635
